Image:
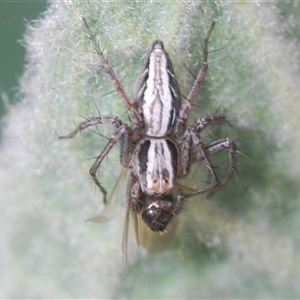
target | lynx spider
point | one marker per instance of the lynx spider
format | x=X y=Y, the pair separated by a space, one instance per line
x=156 y=147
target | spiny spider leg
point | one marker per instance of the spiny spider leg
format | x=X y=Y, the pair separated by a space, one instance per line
x=92 y=121
x=219 y=145
x=204 y=151
x=207 y=121
x=112 y=141
x=133 y=113
x=186 y=142
x=191 y=136
x=180 y=202
x=121 y=130
x=186 y=108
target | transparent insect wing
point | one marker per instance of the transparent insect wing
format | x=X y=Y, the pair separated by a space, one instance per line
x=138 y=203
x=132 y=180
x=116 y=200
x=154 y=241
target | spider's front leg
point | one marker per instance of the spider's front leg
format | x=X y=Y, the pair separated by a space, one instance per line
x=92 y=121
x=122 y=132
x=133 y=113
x=187 y=106
x=195 y=139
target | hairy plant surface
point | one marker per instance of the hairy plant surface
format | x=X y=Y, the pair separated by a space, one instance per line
x=242 y=242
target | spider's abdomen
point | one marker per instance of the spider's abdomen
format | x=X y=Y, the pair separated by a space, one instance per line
x=158 y=93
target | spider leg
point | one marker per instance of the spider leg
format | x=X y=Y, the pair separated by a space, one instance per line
x=185 y=154
x=186 y=108
x=219 y=145
x=123 y=133
x=133 y=113
x=180 y=202
x=204 y=154
x=118 y=134
x=204 y=151
x=92 y=122
x=186 y=142
x=209 y=120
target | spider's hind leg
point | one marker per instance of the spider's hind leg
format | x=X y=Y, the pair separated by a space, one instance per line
x=203 y=153
x=216 y=146
x=187 y=142
x=225 y=143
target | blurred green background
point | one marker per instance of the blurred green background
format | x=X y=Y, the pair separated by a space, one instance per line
x=242 y=242
x=13 y=19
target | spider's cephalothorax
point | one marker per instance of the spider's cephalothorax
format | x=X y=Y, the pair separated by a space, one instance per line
x=157 y=147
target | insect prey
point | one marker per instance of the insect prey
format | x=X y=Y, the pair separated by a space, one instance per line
x=157 y=146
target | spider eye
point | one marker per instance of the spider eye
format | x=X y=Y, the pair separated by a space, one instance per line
x=166 y=180
x=155 y=180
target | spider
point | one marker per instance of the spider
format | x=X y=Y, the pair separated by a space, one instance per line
x=157 y=147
